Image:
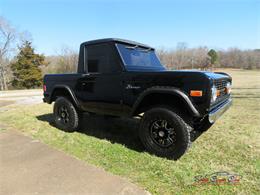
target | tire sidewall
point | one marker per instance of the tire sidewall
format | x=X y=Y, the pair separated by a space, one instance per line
x=73 y=121
x=180 y=127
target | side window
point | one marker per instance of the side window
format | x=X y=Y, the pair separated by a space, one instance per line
x=101 y=58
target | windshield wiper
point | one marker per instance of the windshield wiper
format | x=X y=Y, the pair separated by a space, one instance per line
x=136 y=46
x=146 y=50
x=131 y=47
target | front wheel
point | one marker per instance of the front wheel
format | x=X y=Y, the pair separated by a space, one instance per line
x=164 y=133
x=65 y=115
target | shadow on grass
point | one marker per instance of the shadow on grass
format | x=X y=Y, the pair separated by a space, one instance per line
x=116 y=130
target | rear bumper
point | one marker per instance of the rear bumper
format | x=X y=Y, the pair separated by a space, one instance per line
x=217 y=112
x=46 y=100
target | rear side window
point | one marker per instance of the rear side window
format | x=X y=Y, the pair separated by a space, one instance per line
x=101 y=58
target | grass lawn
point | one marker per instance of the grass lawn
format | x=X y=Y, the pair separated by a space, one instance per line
x=232 y=144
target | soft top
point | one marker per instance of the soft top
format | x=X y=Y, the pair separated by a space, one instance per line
x=117 y=40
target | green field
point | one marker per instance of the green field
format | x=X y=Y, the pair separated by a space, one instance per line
x=232 y=144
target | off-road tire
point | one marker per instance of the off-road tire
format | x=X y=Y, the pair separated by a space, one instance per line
x=73 y=116
x=181 y=128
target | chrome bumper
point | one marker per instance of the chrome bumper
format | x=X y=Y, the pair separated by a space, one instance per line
x=217 y=112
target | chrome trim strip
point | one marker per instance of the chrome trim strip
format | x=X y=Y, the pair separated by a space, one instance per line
x=216 y=113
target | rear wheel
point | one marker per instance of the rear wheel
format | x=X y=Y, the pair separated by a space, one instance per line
x=164 y=133
x=65 y=115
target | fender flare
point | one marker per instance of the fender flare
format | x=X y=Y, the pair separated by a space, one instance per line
x=68 y=89
x=166 y=90
x=223 y=73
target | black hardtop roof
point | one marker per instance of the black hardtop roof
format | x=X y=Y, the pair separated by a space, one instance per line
x=117 y=40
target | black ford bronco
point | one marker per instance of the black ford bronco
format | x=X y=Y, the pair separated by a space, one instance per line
x=124 y=78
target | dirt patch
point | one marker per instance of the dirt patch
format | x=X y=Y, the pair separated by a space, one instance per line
x=20 y=97
x=5 y=103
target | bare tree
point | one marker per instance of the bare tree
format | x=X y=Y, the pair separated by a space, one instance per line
x=197 y=58
x=64 y=62
x=181 y=56
x=7 y=38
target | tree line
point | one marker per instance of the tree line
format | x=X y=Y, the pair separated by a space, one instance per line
x=21 y=67
x=204 y=58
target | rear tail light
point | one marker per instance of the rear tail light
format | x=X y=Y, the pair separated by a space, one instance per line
x=44 y=88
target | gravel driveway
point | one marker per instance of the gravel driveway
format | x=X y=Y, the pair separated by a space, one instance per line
x=20 y=97
x=30 y=167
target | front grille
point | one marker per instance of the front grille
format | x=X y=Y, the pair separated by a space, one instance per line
x=221 y=87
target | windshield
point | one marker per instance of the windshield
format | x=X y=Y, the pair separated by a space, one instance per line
x=139 y=58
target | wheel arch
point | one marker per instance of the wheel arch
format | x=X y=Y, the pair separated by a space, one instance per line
x=64 y=91
x=170 y=96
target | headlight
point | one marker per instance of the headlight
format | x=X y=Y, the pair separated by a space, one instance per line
x=228 y=88
x=214 y=93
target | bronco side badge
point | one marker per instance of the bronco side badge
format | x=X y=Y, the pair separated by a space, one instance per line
x=129 y=86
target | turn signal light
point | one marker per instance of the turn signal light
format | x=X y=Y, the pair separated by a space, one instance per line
x=218 y=93
x=195 y=93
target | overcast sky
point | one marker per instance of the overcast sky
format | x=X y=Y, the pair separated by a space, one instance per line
x=219 y=24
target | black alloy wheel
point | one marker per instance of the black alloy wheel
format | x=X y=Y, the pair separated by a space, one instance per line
x=65 y=115
x=164 y=133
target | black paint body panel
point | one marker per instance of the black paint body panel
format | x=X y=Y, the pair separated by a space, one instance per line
x=118 y=93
